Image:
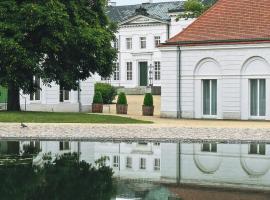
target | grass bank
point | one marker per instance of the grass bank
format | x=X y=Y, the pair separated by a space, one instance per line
x=57 y=117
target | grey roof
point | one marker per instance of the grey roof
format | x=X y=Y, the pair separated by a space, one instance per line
x=155 y=10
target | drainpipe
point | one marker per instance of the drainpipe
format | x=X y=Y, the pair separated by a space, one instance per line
x=168 y=31
x=79 y=96
x=179 y=73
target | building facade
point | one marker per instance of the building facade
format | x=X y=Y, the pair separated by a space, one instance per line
x=141 y=29
x=56 y=99
x=223 y=73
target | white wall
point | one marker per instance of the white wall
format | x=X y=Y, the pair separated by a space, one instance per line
x=49 y=99
x=232 y=65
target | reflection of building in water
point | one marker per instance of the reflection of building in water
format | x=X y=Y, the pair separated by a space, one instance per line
x=240 y=165
x=226 y=164
x=129 y=160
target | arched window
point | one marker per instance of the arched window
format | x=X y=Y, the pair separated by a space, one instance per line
x=207 y=75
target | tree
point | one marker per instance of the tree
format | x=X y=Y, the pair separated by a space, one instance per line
x=60 y=41
x=194 y=8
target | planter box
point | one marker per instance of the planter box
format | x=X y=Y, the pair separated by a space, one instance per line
x=121 y=109
x=148 y=110
x=97 y=108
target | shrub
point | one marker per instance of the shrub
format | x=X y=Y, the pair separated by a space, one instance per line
x=122 y=99
x=107 y=91
x=148 y=99
x=97 y=98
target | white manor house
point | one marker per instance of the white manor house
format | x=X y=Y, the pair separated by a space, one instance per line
x=141 y=28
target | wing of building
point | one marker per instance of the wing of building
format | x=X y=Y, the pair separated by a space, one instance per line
x=218 y=67
x=142 y=28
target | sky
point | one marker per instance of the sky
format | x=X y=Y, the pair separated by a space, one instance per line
x=129 y=2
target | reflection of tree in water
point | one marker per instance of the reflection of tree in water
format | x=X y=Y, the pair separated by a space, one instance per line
x=64 y=178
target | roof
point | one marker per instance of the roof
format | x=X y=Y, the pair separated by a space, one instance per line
x=229 y=21
x=156 y=10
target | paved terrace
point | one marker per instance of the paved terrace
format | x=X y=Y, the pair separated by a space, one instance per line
x=164 y=130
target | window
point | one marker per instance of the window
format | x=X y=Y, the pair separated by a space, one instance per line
x=63 y=94
x=116 y=72
x=157 y=41
x=209 y=147
x=257 y=97
x=129 y=71
x=142 y=163
x=115 y=161
x=210 y=97
x=129 y=162
x=35 y=96
x=157 y=144
x=143 y=42
x=129 y=43
x=258 y=149
x=157 y=164
x=157 y=71
x=64 y=146
x=115 y=44
x=142 y=143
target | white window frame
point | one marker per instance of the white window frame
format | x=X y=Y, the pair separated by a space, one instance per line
x=156 y=164
x=129 y=162
x=129 y=43
x=116 y=161
x=258 y=149
x=143 y=163
x=65 y=146
x=129 y=68
x=211 y=115
x=143 y=44
x=116 y=44
x=210 y=147
x=157 y=41
x=64 y=94
x=157 y=73
x=258 y=116
x=116 y=72
x=34 y=94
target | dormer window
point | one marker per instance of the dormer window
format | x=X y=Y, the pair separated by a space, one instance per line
x=143 y=42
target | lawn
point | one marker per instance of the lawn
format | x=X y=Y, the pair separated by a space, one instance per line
x=56 y=117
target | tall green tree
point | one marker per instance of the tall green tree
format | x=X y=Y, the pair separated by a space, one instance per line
x=194 y=8
x=60 y=41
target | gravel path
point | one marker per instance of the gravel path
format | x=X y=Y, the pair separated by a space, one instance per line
x=97 y=132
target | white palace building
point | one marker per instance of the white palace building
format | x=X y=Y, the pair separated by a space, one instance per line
x=141 y=28
x=219 y=67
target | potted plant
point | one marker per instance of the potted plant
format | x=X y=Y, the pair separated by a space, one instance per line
x=121 y=106
x=148 y=107
x=97 y=105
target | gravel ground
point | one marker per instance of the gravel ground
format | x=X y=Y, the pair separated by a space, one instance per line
x=94 y=132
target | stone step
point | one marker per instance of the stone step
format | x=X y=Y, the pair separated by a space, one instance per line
x=140 y=90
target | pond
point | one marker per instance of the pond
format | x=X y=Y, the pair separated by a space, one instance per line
x=56 y=170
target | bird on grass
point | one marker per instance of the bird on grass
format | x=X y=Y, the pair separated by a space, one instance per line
x=23 y=125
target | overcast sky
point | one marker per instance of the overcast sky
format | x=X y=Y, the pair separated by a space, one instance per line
x=129 y=2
